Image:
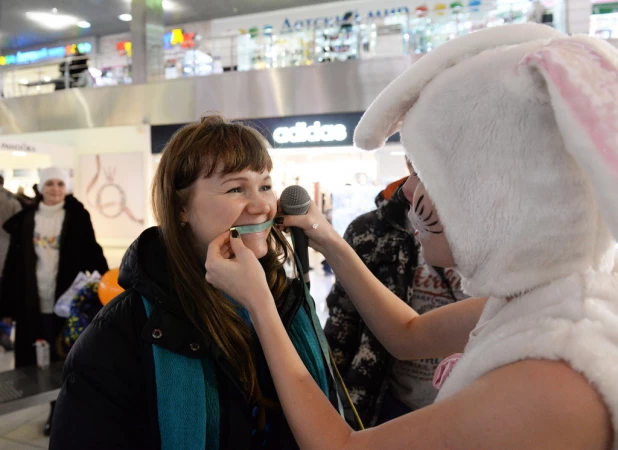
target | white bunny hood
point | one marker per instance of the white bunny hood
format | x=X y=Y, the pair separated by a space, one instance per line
x=514 y=132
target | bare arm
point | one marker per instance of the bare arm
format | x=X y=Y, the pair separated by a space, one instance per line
x=404 y=333
x=529 y=404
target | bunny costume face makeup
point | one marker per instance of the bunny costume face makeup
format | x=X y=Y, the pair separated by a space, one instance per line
x=428 y=228
x=513 y=132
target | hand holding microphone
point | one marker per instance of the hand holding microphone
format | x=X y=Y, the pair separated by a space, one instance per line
x=301 y=215
x=295 y=201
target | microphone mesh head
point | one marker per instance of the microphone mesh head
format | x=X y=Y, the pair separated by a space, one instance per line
x=295 y=200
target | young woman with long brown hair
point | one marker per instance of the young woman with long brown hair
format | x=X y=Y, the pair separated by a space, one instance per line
x=173 y=362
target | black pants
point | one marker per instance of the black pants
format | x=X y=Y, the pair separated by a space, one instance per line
x=50 y=328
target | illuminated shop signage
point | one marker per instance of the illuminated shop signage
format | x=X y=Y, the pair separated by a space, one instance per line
x=323 y=130
x=175 y=38
x=178 y=37
x=604 y=8
x=301 y=133
x=290 y=26
x=124 y=48
x=45 y=53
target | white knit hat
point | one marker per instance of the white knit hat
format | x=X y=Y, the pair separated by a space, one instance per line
x=53 y=173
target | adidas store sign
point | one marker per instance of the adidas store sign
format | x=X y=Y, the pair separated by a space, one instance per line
x=317 y=132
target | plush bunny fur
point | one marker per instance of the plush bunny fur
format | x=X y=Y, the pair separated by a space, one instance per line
x=514 y=133
x=517 y=209
x=549 y=323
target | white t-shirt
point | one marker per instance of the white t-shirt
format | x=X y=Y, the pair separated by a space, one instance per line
x=411 y=382
x=47 y=228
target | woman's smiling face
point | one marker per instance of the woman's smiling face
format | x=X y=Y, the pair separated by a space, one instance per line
x=220 y=202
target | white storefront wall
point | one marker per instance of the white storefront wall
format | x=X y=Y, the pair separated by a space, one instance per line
x=126 y=163
x=577 y=16
x=13 y=76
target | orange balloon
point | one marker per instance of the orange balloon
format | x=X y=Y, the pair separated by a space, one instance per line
x=108 y=286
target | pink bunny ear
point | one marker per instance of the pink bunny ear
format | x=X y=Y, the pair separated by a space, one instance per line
x=582 y=80
x=386 y=113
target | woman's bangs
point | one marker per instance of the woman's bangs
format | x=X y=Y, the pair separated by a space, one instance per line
x=245 y=149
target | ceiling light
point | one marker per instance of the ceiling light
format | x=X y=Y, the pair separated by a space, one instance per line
x=83 y=24
x=169 y=5
x=55 y=10
x=52 y=21
x=125 y=17
x=47 y=79
x=23 y=81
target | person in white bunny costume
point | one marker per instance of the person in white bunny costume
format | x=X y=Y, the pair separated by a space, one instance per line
x=513 y=133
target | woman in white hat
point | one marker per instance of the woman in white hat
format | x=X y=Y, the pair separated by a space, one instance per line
x=51 y=242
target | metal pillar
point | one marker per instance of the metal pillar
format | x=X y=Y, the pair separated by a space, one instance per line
x=147 y=40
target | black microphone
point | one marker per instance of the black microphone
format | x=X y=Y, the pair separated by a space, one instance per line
x=295 y=201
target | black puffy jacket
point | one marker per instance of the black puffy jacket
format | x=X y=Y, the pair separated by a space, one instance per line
x=79 y=252
x=108 y=400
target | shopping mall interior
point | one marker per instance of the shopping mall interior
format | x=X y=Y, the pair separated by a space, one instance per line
x=98 y=88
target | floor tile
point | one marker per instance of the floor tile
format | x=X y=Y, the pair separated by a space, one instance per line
x=6 y=360
x=30 y=433
x=6 y=444
x=10 y=422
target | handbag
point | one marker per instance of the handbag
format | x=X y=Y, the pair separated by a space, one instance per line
x=84 y=308
x=62 y=308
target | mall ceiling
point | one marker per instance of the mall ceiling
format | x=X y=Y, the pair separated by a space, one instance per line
x=17 y=31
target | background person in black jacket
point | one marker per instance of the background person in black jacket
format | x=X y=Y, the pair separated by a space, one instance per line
x=213 y=175
x=51 y=242
x=381 y=386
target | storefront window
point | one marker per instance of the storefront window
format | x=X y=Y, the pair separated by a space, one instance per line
x=348 y=36
x=604 y=20
x=43 y=70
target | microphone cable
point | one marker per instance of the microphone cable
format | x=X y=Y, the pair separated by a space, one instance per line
x=326 y=350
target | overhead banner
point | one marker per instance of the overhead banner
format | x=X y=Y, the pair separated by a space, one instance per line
x=45 y=54
x=306 y=18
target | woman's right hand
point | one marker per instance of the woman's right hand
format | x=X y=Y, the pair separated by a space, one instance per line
x=322 y=236
x=234 y=269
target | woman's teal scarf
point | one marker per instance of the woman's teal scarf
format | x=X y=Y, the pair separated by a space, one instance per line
x=187 y=393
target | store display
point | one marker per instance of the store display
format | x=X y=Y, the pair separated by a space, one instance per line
x=367 y=30
x=340 y=42
x=604 y=20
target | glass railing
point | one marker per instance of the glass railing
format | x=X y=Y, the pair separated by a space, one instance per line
x=51 y=76
x=415 y=32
